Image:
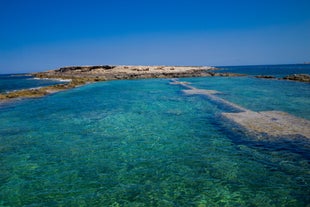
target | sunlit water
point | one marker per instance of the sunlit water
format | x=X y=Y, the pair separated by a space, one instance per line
x=145 y=143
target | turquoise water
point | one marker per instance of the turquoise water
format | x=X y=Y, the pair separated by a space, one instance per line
x=260 y=94
x=145 y=143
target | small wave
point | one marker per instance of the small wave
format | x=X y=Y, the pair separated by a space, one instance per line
x=16 y=90
x=54 y=79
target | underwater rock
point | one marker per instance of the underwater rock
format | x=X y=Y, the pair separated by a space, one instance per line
x=274 y=123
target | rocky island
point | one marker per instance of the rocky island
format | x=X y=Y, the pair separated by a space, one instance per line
x=108 y=72
x=80 y=75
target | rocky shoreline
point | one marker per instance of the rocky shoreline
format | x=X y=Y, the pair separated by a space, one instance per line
x=81 y=75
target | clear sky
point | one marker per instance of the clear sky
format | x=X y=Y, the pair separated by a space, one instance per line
x=38 y=35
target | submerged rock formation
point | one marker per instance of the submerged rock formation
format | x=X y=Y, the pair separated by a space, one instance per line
x=273 y=123
x=276 y=124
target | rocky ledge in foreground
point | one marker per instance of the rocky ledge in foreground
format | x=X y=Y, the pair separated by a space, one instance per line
x=81 y=75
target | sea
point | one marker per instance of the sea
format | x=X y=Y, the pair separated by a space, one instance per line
x=12 y=82
x=146 y=143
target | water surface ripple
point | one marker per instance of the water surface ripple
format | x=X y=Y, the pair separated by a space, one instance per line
x=144 y=143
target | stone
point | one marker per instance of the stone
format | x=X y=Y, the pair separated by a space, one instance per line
x=274 y=123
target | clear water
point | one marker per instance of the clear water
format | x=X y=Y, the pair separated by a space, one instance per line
x=144 y=143
x=17 y=82
x=260 y=94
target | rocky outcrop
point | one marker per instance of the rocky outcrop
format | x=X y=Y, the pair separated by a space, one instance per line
x=226 y=74
x=84 y=68
x=42 y=91
x=298 y=77
x=125 y=72
x=265 y=76
x=131 y=72
x=294 y=77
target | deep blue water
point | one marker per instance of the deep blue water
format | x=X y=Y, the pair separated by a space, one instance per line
x=275 y=70
x=145 y=143
x=12 y=82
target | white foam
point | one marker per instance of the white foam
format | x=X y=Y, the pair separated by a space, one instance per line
x=55 y=79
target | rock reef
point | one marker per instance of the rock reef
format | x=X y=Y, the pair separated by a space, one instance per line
x=298 y=77
x=294 y=77
x=265 y=76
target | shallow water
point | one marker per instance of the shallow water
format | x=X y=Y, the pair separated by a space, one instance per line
x=260 y=94
x=145 y=143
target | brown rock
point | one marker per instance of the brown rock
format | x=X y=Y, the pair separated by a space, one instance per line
x=298 y=77
x=265 y=76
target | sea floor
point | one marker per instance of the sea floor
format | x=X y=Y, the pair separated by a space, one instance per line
x=146 y=143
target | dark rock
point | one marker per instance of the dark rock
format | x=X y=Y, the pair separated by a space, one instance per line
x=265 y=76
x=226 y=74
x=298 y=77
x=83 y=68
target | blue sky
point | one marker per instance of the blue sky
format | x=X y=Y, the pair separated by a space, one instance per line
x=38 y=35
